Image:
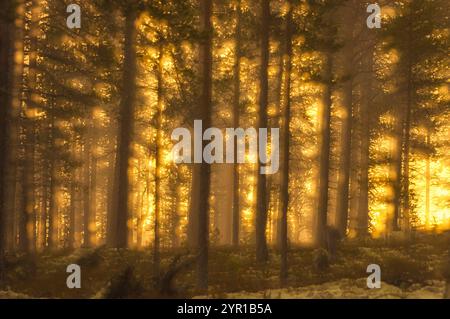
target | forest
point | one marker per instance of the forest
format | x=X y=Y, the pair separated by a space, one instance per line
x=92 y=91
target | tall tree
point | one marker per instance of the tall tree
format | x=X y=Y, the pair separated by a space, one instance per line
x=285 y=148
x=236 y=112
x=325 y=122
x=120 y=209
x=347 y=119
x=204 y=168
x=262 y=254
x=158 y=199
x=362 y=215
x=7 y=70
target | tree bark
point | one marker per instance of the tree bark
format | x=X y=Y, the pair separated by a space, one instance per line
x=395 y=173
x=362 y=228
x=236 y=116
x=407 y=141
x=342 y=202
x=261 y=187
x=322 y=210
x=285 y=150
x=205 y=169
x=156 y=243
x=7 y=33
x=120 y=205
x=87 y=175
x=52 y=231
x=428 y=181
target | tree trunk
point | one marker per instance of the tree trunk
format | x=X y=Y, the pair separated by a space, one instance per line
x=72 y=211
x=346 y=130
x=192 y=229
x=407 y=132
x=236 y=115
x=175 y=220
x=322 y=210
x=261 y=187
x=362 y=228
x=27 y=137
x=87 y=150
x=205 y=169
x=156 y=243
x=52 y=232
x=428 y=182
x=395 y=173
x=120 y=205
x=7 y=33
x=285 y=150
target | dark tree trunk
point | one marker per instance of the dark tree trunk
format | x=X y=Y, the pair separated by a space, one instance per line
x=174 y=239
x=407 y=142
x=428 y=181
x=322 y=210
x=27 y=135
x=52 y=208
x=205 y=169
x=192 y=229
x=6 y=81
x=236 y=115
x=87 y=150
x=72 y=211
x=120 y=207
x=395 y=172
x=285 y=150
x=342 y=202
x=261 y=187
x=362 y=228
x=156 y=244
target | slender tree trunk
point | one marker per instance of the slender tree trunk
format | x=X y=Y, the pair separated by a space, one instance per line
x=322 y=197
x=261 y=187
x=156 y=243
x=192 y=230
x=205 y=168
x=428 y=182
x=52 y=209
x=285 y=150
x=363 y=205
x=45 y=205
x=120 y=205
x=92 y=228
x=342 y=202
x=27 y=221
x=175 y=220
x=111 y=218
x=7 y=33
x=89 y=185
x=236 y=115
x=73 y=197
x=16 y=97
x=395 y=173
x=87 y=150
x=407 y=132
x=72 y=212
x=139 y=207
x=362 y=228
x=24 y=217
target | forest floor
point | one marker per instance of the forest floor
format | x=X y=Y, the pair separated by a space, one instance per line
x=409 y=269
